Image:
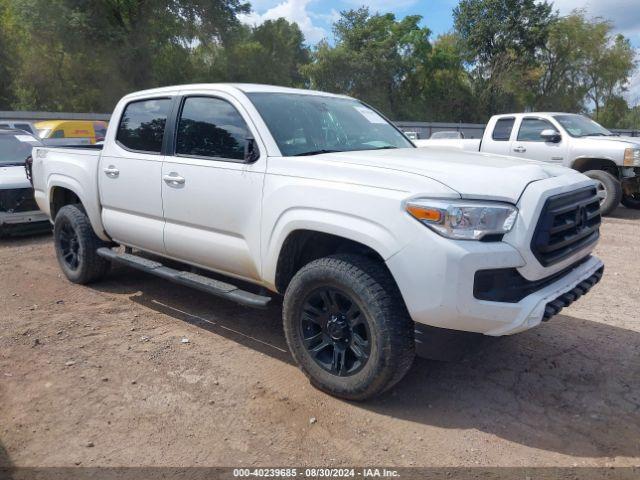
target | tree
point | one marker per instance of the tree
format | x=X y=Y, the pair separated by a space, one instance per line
x=7 y=60
x=372 y=59
x=502 y=39
x=440 y=88
x=81 y=54
x=270 y=53
x=582 y=65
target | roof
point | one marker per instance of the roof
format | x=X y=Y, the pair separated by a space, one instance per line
x=535 y=113
x=243 y=87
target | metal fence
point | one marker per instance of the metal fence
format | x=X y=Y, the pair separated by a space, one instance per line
x=423 y=129
x=39 y=116
x=470 y=130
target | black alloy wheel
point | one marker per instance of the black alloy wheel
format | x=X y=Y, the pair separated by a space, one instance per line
x=69 y=246
x=335 y=332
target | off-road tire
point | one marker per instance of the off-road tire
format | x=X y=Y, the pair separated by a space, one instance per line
x=632 y=201
x=613 y=189
x=371 y=286
x=90 y=267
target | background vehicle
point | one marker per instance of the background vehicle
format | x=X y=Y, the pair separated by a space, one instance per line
x=72 y=129
x=411 y=135
x=319 y=198
x=19 y=125
x=18 y=209
x=570 y=140
x=446 y=135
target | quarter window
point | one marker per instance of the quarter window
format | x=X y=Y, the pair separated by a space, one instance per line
x=142 y=125
x=24 y=126
x=531 y=128
x=211 y=127
x=502 y=130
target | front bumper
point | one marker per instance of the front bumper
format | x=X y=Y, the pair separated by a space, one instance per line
x=438 y=285
x=23 y=222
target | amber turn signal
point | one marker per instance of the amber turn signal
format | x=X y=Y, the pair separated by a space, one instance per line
x=424 y=213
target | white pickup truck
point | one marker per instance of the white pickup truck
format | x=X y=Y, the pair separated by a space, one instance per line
x=317 y=197
x=566 y=139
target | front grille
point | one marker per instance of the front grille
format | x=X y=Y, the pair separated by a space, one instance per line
x=568 y=223
x=17 y=200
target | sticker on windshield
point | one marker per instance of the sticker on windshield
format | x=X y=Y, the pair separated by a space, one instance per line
x=25 y=138
x=370 y=115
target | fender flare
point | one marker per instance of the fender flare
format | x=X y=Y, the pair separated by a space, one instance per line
x=358 y=229
x=91 y=205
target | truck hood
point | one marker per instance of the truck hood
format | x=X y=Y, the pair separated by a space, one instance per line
x=635 y=141
x=13 y=177
x=471 y=175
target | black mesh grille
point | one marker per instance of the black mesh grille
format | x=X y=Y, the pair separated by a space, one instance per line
x=17 y=200
x=568 y=222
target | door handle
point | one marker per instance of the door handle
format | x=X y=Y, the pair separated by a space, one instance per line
x=173 y=179
x=112 y=172
x=520 y=149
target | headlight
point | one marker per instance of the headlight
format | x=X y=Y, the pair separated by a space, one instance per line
x=631 y=157
x=463 y=220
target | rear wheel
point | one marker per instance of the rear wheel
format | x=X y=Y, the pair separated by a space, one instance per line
x=632 y=201
x=347 y=326
x=609 y=190
x=76 y=244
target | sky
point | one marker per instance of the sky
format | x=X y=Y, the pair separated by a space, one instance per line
x=315 y=17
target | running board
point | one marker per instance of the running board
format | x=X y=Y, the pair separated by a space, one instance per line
x=189 y=279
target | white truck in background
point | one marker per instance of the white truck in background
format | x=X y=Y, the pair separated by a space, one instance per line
x=565 y=139
x=319 y=198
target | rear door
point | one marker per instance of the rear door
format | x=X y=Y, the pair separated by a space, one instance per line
x=130 y=175
x=212 y=197
x=529 y=144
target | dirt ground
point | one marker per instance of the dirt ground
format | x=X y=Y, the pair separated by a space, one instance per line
x=100 y=376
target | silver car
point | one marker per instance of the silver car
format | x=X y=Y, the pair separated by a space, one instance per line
x=19 y=212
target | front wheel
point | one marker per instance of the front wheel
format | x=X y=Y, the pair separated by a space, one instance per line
x=632 y=201
x=609 y=190
x=76 y=244
x=347 y=326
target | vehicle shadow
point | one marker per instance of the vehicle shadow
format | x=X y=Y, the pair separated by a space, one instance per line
x=6 y=466
x=624 y=213
x=25 y=239
x=570 y=386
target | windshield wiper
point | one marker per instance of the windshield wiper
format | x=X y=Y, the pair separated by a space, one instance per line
x=316 y=152
x=387 y=147
x=12 y=164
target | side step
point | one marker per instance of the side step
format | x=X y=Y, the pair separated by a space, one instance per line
x=193 y=280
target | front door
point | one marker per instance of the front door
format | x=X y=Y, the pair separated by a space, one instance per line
x=529 y=144
x=129 y=176
x=212 y=197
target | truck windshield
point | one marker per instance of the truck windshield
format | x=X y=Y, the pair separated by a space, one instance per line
x=313 y=124
x=15 y=148
x=579 y=126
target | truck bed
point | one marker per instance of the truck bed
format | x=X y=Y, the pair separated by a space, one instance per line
x=71 y=166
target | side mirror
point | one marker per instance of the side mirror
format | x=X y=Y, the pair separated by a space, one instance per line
x=251 y=151
x=551 y=135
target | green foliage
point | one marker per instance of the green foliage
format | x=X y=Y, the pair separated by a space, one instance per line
x=583 y=65
x=501 y=40
x=374 y=58
x=503 y=55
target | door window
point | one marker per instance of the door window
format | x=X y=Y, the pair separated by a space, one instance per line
x=212 y=128
x=531 y=128
x=142 y=125
x=502 y=130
